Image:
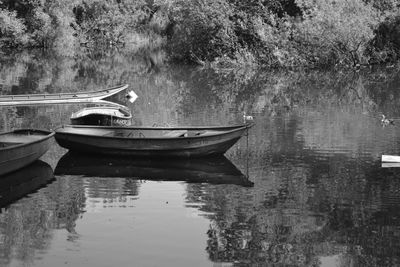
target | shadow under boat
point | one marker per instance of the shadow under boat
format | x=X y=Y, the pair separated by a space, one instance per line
x=18 y=184
x=214 y=170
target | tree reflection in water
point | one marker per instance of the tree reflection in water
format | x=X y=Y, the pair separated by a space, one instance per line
x=295 y=225
x=28 y=226
x=308 y=207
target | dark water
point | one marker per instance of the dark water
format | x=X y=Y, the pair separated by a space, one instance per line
x=305 y=188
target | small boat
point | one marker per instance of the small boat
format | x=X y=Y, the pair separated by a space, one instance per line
x=18 y=184
x=215 y=170
x=22 y=147
x=150 y=141
x=106 y=116
x=61 y=98
x=390 y=158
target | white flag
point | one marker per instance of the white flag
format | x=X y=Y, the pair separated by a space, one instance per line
x=131 y=96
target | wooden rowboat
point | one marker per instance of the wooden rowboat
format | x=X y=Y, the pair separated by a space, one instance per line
x=215 y=170
x=16 y=185
x=102 y=115
x=150 y=141
x=22 y=147
x=61 y=98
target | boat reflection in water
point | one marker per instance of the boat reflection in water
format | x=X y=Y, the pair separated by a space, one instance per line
x=215 y=170
x=17 y=184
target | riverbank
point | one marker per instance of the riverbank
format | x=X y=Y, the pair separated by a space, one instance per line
x=276 y=34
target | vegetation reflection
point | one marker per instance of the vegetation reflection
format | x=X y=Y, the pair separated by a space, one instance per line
x=318 y=191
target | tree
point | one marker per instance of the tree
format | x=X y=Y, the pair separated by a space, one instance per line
x=203 y=30
x=12 y=29
x=108 y=22
x=338 y=31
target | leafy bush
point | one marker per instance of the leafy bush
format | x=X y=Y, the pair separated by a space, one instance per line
x=274 y=33
x=103 y=22
x=64 y=41
x=280 y=42
x=203 y=30
x=59 y=24
x=225 y=30
x=42 y=28
x=12 y=29
x=337 y=31
x=386 y=44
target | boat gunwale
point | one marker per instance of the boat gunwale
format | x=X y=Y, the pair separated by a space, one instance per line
x=86 y=94
x=235 y=128
x=19 y=145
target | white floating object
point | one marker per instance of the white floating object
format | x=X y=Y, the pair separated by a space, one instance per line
x=247 y=117
x=390 y=158
x=132 y=96
x=390 y=164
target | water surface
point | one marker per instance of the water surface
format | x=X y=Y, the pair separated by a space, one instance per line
x=304 y=188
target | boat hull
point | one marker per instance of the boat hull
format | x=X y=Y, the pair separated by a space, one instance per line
x=16 y=155
x=61 y=98
x=199 y=146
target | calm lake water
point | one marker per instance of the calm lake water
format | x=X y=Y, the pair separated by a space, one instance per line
x=305 y=188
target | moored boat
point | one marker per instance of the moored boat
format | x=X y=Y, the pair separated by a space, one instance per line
x=19 y=148
x=102 y=115
x=215 y=170
x=60 y=98
x=150 y=141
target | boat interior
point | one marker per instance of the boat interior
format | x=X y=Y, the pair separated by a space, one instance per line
x=144 y=133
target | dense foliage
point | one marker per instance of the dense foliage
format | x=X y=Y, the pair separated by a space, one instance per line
x=277 y=33
x=338 y=31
